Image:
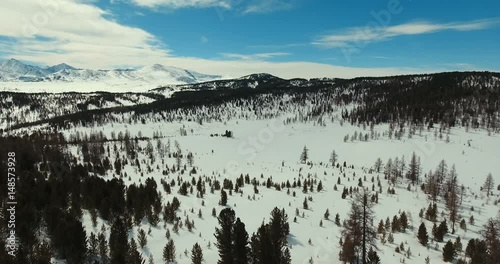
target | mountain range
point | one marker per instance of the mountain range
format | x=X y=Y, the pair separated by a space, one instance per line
x=13 y=70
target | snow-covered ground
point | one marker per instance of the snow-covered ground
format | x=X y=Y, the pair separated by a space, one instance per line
x=269 y=148
x=115 y=86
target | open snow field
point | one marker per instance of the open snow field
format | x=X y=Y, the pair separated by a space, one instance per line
x=269 y=148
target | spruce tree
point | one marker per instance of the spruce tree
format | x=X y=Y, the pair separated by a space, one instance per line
x=333 y=158
x=373 y=257
x=118 y=242
x=449 y=251
x=240 y=243
x=196 y=254
x=223 y=198
x=133 y=256
x=224 y=236
x=423 y=237
x=489 y=184
x=142 y=239
x=169 y=252
x=304 y=156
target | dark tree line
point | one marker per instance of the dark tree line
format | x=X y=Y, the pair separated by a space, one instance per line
x=268 y=245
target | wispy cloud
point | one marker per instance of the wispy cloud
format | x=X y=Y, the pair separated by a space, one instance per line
x=204 y=40
x=278 y=46
x=176 y=4
x=267 y=6
x=257 y=56
x=356 y=35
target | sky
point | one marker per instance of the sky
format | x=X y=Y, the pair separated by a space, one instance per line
x=288 y=38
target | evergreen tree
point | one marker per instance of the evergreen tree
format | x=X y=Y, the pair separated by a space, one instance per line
x=449 y=251
x=224 y=236
x=491 y=236
x=381 y=227
x=240 y=243
x=223 y=198
x=196 y=254
x=118 y=242
x=278 y=231
x=403 y=221
x=133 y=255
x=304 y=156
x=423 y=237
x=348 y=250
x=103 y=247
x=458 y=245
x=378 y=165
x=373 y=257
x=489 y=184
x=169 y=252
x=414 y=169
x=141 y=237
x=333 y=158
x=452 y=199
x=441 y=231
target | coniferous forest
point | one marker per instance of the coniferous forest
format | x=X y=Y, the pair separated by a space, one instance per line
x=97 y=181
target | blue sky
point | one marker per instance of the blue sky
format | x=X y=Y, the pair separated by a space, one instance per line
x=233 y=37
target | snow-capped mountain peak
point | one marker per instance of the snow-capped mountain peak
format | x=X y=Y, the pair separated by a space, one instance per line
x=15 y=71
x=59 y=67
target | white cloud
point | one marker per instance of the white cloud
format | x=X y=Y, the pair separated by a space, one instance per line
x=266 y=6
x=257 y=56
x=204 y=40
x=80 y=34
x=175 y=4
x=360 y=35
x=238 y=68
x=53 y=31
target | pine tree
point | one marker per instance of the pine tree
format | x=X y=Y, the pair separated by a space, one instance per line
x=103 y=247
x=196 y=254
x=223 y=198
x=93 y=245
x=359 y=226
x=224 y=236
x=348 y=252
x=240 y=243
x=449 y=251
x=337 y=219
x=304 y=156
x=381 y=227
x=489 y=184
x=441 y=231
x=118 y=242
x=403 y=221
x=471 y=247
x=327 y=215
x=320 y=186
x=373 y=257
x=452 y=201
x=142 y=239
x=396 y=226
x=423 y=237
x=414 y=169
x=133 y=256
x=378 y=165
x=333 y=158
x=463 y=225
x=169 y=252
x=491 y=236
x=458 y=245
